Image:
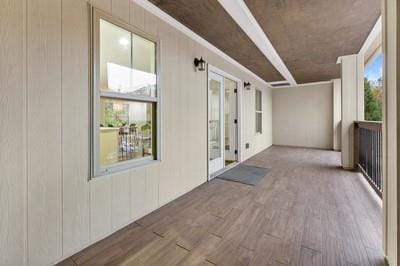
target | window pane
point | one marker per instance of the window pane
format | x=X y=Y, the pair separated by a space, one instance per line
x=229 y=113
x=214 y=119
x=258 y=122
x=127 y=62
x=373 y=89
x=126 y=130
x=258 y=100
x=144 y=54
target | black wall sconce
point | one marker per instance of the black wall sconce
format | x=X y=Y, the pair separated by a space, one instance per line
x=247 y=85
x=200 y=64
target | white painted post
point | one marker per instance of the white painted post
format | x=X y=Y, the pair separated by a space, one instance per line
x=337 y=114
x=360 y=87
x=352 y=69
x=391 y=131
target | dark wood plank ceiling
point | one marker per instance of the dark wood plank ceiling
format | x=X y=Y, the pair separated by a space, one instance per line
x=309 y=35
x=210 y=20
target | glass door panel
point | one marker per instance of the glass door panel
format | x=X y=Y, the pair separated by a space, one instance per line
x=230 y=117
x=215 y=122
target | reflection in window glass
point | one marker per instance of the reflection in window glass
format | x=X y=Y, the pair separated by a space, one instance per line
x=127 y=62
x=125 y=130
x=373 y=89
x=258 y=122
x=258 y=111
x=258 y=101
x=125 y=102
x=144 y=52
x=214 y=119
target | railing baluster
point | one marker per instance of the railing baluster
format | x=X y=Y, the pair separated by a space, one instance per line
x=368 y=141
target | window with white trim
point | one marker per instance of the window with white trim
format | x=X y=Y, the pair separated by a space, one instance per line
x=124 y=107
x=258 y=99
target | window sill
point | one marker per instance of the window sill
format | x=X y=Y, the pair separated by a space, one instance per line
x=126 y=166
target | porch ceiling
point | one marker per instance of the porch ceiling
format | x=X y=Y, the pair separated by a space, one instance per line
x=309 y=35
x=209 y=19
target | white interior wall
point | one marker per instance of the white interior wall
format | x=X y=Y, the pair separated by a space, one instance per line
x=48 y=209
x=303 y=116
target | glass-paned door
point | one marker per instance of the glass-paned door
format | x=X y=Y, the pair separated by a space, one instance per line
x=215 y=122
x=230 y=121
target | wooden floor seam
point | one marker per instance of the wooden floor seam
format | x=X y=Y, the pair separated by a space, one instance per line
x=306 y=211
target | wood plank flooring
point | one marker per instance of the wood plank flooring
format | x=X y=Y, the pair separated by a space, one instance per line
x=306 y=211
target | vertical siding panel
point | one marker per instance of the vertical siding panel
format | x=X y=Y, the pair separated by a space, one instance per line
x=192 y=112
x=172 y=124
x=150 y=23
x=100 y=200
x=75 y=124
x=120 y=9
x=137 y=16
x=196 y=122
x=138 y=193
x=152 y=182
x=174 y=101
x=12 y=134
x=44 y=131
x=201 y=106
x=100 y=188
x=200 y=91
x=120 y=200
x=102 y=4
x=168 y=183
x=185 y=114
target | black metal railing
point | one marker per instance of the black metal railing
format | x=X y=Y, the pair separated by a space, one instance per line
x=368 y=152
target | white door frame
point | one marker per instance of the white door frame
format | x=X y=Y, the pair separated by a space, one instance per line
x=238 y=112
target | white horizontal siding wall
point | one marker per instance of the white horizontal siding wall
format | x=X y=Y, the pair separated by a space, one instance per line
x=48 y=209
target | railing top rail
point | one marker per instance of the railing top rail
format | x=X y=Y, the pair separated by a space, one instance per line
x=371 y=125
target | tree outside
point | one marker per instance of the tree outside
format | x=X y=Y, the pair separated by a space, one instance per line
x=373 y=91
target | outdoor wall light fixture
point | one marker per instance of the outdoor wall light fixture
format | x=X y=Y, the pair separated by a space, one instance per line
x=247 y=85
x=200 y=64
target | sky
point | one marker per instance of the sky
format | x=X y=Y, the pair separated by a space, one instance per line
x=374 y=70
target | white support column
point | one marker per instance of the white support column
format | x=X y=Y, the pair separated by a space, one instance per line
x=360 y=87
x=337 y=114
x=391 y=131
x=352 y=69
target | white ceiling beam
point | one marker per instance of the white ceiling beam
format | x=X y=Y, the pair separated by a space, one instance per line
x=304 y=84
x=239 y=11
x=278 y=82
x=375 y=33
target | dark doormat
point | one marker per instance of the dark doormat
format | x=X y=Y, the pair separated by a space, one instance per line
x=245 y=174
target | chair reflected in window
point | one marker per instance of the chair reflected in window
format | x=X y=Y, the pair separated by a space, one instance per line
x=128 y=125
x=126 y=101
